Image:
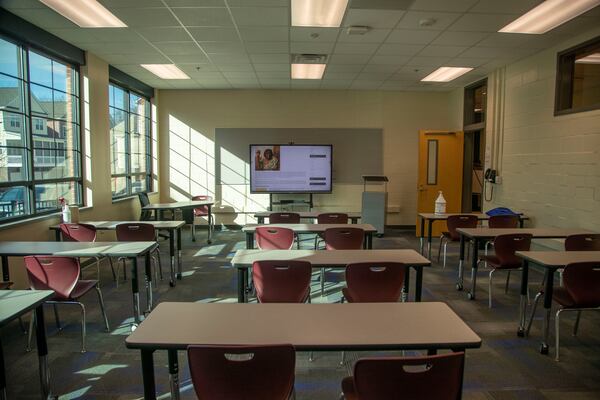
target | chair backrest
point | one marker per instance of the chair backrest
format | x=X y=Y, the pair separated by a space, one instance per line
x=460 y=221
x=135 y=232
x=145 y=215
x=505 y=247
x=78 y=232
x=274 y=238
x=284 y=218
x=201 y=211
x=53 y=273
x=332 y=218
x=242 y=372
x=281 y=281
x=430 y=377
x=504 y=221
x=583 y=242
x=375 y=282
x=344 y=238
x=582 y=281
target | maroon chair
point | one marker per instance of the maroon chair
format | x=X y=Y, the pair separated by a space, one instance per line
x=274 y=238
x=329 y=218
x=61 y=274
x=342 y=238
x=454 y=222
x=282 y=281
x=201 y=212
x=583 y=242
x=374 y=282
x=437 y=377
x=284 y=218
x=139 y=232
x=242 y=372
x=505 y=258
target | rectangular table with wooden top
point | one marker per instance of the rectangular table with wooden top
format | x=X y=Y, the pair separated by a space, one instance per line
x=158 y=208
x=243 y=259
x=308 y=327
x=13 y=304
x=550 y=261
x=173 y=227
x=131 y=250
x=479 y=235
x=432 y=217
x=352 y=216
x=311 y=228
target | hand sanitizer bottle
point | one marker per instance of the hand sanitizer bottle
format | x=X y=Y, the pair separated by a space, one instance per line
x=66 y=214
x=440 y=204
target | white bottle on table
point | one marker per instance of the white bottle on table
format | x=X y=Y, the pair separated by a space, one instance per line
x=440 y=204
x=66 y=214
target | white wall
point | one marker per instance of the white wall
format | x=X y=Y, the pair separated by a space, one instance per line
x=550 y=165
x=188 y=119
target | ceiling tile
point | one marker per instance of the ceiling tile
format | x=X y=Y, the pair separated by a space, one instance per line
x=223 y=47
x=273 y=75
x=267 y=47
x=366 y=84
x=412 y=73
x=203 y=73
x=409 y=36
x=340 y=75
x=374 y=76
x=399 y=49
x=230 y=59
x=443 y=5
x=270 y=58
x=19 y=4
x=373 y=18
x=395 y=85
x=505 y=6
x=442 y=51
x=203 y=16
x=412 y=19
x=77 y=35
x=169 y=34
x=189 y=58
x=420 y=61
x=333 y=67
x=214 y=34
x=259 y=3
x=498 y=52
x=178 y=48
x=306 y=83
x=192 y=3
x=301 y=34
x=380 y=68
x=272 y=67
x=387 y=60
x=146 y=17
x=311 y=47
x=335 y=84
x=261 y=16
x=264 y=34
x=498 y=39
x=239 y=75
x=350 y=58
x=481 y=22
x=356 y=48
x=44 y=17
x=466 y=62
x=373 y=36
x=460 y=38
x=235 y=67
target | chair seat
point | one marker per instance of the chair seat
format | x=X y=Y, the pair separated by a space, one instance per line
x=200 y=213
x=347 y=295
x=82 y=287
x=562 y=297
x=448 y=236
x=348 y=388
x=495 y=263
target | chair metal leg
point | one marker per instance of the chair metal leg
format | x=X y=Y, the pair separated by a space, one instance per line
x=322 y=282
x=557 y=333
x=343 y=361
x=440 y=248
x=159 y=264
x=445 y=253
x=490 y=288
x=485 y=251
x=576 y=326
x=102 y=308
x=82 y=326
x=194 y=231
x=507 y=282
x=538 y=296
x=22 y=326
x=311 y=357
x=30 y=333
x=112 y=269
x=57 y=318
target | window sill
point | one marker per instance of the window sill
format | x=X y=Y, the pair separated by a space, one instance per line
x=32 y=220
x=133 y=196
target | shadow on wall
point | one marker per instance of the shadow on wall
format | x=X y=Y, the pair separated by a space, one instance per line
x=192 y=172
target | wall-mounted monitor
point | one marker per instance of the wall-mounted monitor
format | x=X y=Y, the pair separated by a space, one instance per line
x=290 y=168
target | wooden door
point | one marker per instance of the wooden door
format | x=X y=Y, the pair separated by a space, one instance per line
x=440 y=168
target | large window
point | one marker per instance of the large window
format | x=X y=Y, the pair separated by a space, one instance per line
x=130 y=133
x=40 y=157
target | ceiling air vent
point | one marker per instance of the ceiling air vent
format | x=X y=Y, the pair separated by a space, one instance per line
x=309 y=58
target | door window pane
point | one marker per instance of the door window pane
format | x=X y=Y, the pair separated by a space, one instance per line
x=432 y=162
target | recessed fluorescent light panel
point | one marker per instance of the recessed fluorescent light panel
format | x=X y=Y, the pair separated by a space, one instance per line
x=591 y=59
x=308 y=71
x=446 y=74
x=85 y=13
x=548 y=15
x=320 y=13
x=166 y=71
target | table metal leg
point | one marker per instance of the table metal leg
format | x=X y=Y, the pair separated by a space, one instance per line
x=172 y=260
x=179 y=267
x=57 y=235
x=173 y=374
x=369 y=240
x=209 y=241
x=42 y=349
x=354 y=220
x=2 y=374
x=523 y=298
x=548 y=289
x=406 y=288
x=148 y=271
x=148 y=375
x=418 y=283
x=260 y=220
x=474 y=259
x=461 y=264
x=241 y=282
x=429 y=233
x=5 y=269
x=422 y=234
x=135 y=290
x=249 y=240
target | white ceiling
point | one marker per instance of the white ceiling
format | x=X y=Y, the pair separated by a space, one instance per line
x=246 y=44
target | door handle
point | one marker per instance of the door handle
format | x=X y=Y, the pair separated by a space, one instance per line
x=421 y=188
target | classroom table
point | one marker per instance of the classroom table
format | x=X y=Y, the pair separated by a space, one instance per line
x=243 y=259
x=173 y=227
x=131 y=250
x=158 y=208
x=550 y=261
x=352 y=216
x=311 y=228
x=13 y=304
x=479 y=235
x=432 y=217
x=308 y=327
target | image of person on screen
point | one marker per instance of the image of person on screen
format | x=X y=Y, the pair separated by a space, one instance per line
x=270 y=160
x=258 y=161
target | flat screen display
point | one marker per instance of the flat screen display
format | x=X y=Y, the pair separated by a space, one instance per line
x=298 y=168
